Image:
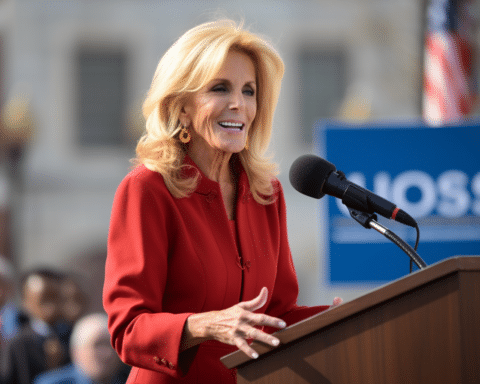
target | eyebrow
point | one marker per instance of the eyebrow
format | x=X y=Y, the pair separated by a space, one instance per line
x=253 y=82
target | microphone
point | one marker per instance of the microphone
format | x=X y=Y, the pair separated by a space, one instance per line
x=315 y=177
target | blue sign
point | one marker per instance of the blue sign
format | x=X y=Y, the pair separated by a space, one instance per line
x=431 y=173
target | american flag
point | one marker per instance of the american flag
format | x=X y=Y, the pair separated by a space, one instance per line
x=449 y=92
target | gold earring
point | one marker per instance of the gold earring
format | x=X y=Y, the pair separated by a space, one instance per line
x=246 y=144
x=184 y=135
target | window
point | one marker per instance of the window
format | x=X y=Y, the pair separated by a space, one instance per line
x=322 y=87
x=102 y=97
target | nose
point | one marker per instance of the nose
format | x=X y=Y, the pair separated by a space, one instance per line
x=237 y=100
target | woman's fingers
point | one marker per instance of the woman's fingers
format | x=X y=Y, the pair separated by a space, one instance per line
x=252 y=320
x=258 y=335
x=245 y=347
x=254 y=334
x=260 y=319
x=237 y=324
x=256 y=303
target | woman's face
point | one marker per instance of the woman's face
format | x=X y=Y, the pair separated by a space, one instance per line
x=220 y=114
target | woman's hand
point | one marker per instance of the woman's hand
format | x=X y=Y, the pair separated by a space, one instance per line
x=233 y=325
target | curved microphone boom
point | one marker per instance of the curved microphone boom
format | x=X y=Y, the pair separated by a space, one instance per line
x=315 y=177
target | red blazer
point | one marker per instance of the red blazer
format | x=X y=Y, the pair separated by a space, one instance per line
x=169 y=258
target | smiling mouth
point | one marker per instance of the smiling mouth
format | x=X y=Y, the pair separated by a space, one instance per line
x=229 y=125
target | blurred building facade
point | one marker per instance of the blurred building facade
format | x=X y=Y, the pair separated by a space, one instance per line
x=86 y=65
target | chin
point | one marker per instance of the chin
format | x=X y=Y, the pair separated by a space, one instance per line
x=234 y=150
x=232 y=147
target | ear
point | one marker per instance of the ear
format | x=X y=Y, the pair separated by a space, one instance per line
x=184 y=118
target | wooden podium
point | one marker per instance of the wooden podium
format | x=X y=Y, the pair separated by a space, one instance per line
x=423 y=328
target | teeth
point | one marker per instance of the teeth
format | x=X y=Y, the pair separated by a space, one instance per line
x=233 y=125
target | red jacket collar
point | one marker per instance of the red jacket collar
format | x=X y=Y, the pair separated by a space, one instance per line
x=206 y=186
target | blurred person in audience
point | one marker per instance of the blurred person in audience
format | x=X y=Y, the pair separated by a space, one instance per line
x=36 y=347
x=73 y=302
x=94 y=361
x=9 y=312
x=198 y=260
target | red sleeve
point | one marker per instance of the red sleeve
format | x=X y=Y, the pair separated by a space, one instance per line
x=135 y=278
x=283 y=303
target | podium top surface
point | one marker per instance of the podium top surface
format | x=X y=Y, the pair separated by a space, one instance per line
x=375 y=297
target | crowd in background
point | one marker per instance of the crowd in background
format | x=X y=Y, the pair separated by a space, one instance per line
x=47 y=335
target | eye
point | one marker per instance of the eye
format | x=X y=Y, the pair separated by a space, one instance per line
x=219 y=88
x=249 y=91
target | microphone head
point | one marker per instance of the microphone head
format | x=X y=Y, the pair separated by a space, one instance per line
x=308 y=174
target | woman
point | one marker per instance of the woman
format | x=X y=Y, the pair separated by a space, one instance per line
x=198 y=258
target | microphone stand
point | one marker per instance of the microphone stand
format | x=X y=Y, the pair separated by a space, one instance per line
x=368 y=220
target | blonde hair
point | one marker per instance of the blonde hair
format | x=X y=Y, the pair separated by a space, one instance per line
x=188 y=65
